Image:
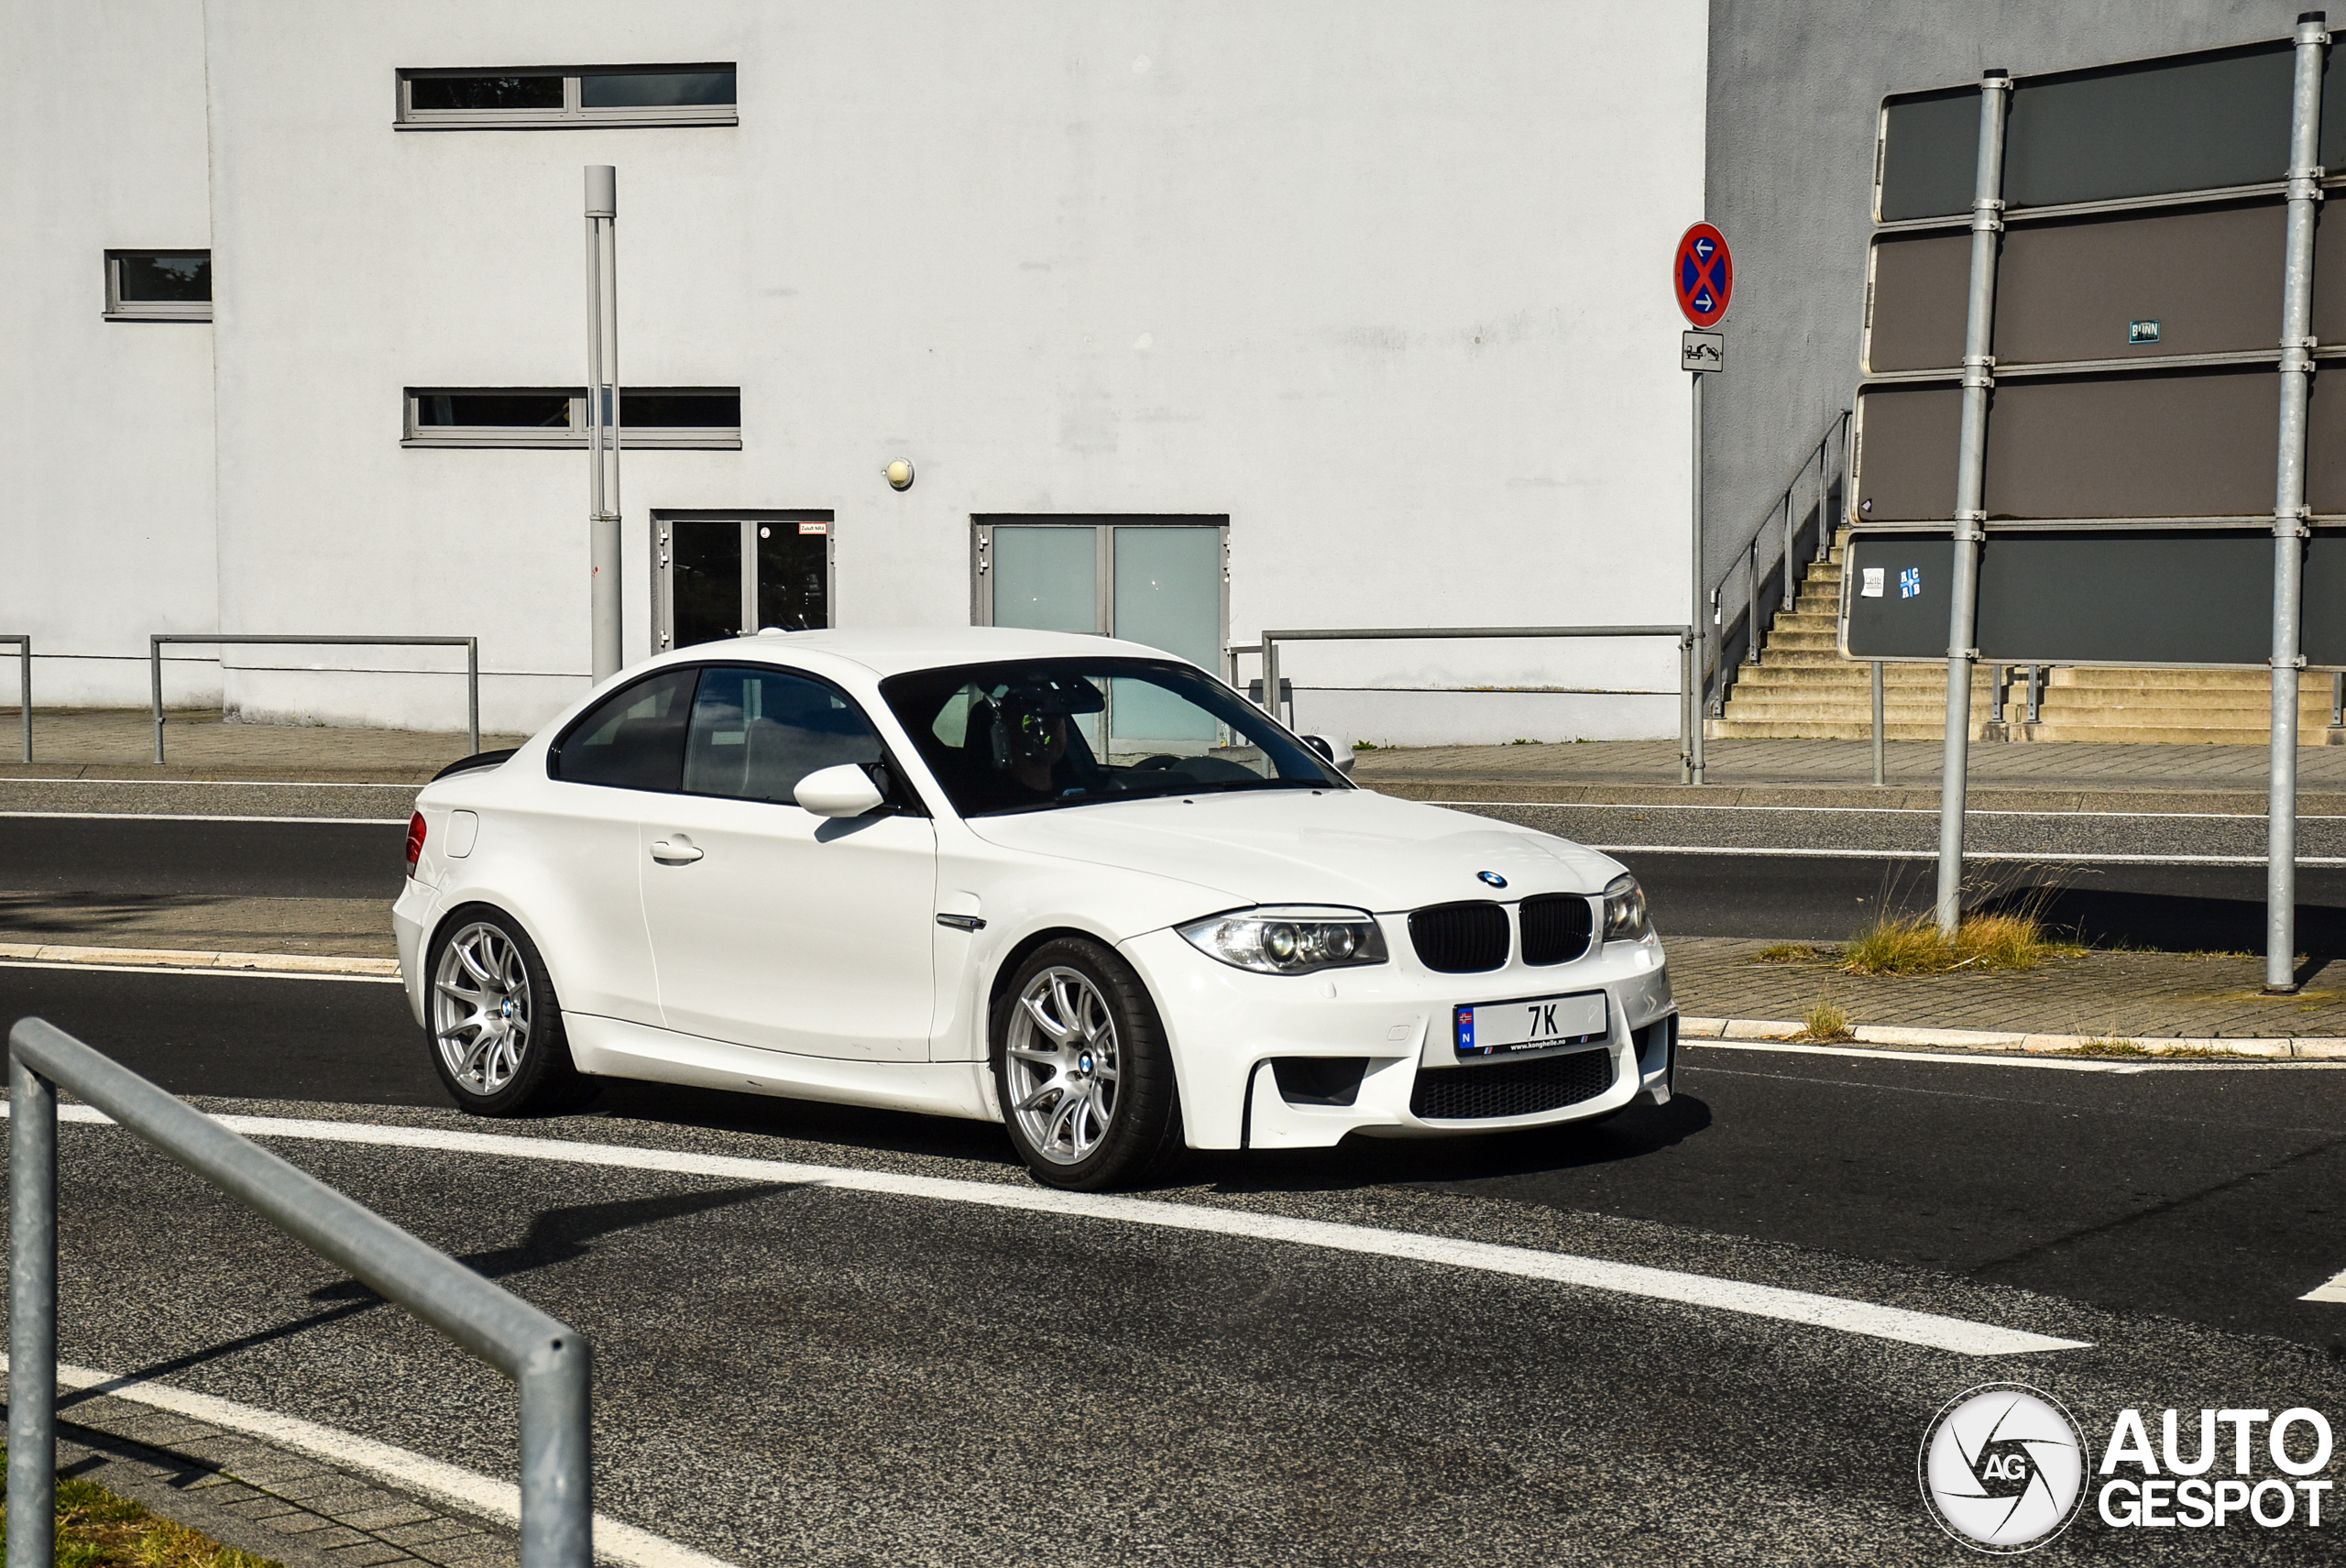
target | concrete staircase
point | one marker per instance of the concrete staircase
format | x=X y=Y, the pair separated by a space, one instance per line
x=1803 y=690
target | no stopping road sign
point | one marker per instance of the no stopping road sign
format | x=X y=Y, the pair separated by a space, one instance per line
x=1703 y=275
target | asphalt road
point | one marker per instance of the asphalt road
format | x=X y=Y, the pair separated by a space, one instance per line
x=1794 y=894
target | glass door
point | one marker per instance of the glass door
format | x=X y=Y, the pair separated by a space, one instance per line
x=1159 y=583
x=721 y=577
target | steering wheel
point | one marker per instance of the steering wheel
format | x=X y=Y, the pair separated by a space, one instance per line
x=1161 y=761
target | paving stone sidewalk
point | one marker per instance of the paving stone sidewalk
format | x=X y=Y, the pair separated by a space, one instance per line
x=2103 y=994
x=119 y=744
x=262 y=1498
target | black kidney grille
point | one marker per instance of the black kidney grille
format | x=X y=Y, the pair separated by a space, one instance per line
x=1460 y=939
x=1556 y=927
x=1511 y=1089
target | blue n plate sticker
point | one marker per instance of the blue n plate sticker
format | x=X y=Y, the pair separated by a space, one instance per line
x=1462 y=1024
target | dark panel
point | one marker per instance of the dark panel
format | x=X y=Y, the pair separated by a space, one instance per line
x=1907 y=618
x=2210 y=277
x=181 y=275
x=1921 y=284
x=2187 y=123
x=2178 y=443
x=680 y=410
x=2328 y=269
x=485 y=92
x=1930 y=154
x=2146 y=598
x=663 y=89
x=2326 y=440
x=705 y=581
x=497 y=411
x=1906 y=441
x=794 y=573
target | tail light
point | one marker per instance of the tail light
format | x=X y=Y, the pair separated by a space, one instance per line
x=414 y=841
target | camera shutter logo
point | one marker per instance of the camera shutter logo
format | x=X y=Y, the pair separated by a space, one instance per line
x=2002 y=1468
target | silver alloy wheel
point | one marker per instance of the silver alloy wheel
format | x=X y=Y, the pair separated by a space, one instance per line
x=481 y=1007
x=1061 y=1064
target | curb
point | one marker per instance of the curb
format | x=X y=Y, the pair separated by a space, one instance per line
x=182 y=958
x=2308 y=1048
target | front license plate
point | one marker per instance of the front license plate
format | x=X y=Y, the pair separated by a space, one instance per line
x=1500 y=1028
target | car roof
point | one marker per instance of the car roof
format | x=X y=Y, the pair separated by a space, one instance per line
x=891 y=651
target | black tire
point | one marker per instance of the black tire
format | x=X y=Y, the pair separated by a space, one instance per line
x=1142 y=1132
x=485 y=949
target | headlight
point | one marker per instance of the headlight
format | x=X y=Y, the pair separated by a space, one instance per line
x=1625 y=910
x=1289 y=941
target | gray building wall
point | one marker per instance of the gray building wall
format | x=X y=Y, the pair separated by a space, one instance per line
x=1794 y=91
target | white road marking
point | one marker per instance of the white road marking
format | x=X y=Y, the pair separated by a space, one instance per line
x=1929 y=811
x=1983 y=1059
x=1925 y=854
x=197 y=969
x=224 y=784
x=202 y=816
x=501 y=1500
x=1927 y=1329
x=2333 y=1290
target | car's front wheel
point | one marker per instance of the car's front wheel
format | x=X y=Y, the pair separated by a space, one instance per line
x=1080 y=1063
x=497 y=1034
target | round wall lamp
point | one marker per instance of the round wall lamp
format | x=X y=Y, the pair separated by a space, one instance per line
x=900 y=474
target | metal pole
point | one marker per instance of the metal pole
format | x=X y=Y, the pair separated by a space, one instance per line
x=472 y=689
x=1823 y=525
x=1881 y=755
x=1688 y=719
x=603 y=417
x=557 y=1459
x=2337 y=710
x=1270 y=675
x=1790 y=529
x=155 y=658
x=1978 y=380
x=32 y=1317
x=24 y=690
x=2289 y=532
x=1702 y=619
x=2036 y=695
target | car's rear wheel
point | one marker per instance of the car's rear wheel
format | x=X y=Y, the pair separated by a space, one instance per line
x=497 y=1034
x=1080 y=1063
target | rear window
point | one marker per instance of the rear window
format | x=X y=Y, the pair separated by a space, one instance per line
x=633 y=739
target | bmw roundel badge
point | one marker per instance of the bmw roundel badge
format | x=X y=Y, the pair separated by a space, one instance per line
x=1492 y=878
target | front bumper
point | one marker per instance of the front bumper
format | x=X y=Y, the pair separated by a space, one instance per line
x=1227 y=1027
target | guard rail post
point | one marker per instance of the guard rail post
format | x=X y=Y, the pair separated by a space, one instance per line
x=471 y=645
x=550 y=1361
x=24 y=686
x=1880 y=735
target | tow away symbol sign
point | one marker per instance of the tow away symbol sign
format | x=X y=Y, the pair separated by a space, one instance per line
x=1703 y=275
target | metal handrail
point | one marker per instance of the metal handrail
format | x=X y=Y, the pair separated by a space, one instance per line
x=1835 y=436
x=1689 y=709
x=550 y=1361
x=24 y=683
x=471 y=645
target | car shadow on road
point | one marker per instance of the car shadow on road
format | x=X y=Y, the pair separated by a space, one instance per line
x=1643 y=1129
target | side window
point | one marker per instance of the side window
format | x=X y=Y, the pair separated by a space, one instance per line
x=634 y=739
x=755 y=733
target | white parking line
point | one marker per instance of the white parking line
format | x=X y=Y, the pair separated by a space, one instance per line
x=1925 y=854
x=88 y=968
x=203 y=817
x=501 y=1500
x=1958 y=1335
x=2334 y=1289
x=1929 y=811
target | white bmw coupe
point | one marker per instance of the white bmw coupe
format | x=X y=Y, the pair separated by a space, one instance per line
x=1070 y=884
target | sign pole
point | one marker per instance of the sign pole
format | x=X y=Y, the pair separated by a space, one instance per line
x=1702 y=275
x=2289 y=531
x=1970 y=485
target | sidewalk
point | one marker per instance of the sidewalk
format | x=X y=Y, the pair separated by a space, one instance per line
x=119 y=744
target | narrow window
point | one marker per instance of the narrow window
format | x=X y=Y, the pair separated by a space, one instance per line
x=552 y=97
x=158 y=285
x=707 y=418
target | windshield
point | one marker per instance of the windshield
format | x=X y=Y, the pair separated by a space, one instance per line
x=1033 y=734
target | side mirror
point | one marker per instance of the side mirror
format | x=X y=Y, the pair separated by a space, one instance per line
x=1340 y=753
x=843 y=791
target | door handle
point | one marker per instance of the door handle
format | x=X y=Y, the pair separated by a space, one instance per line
x=679 y=851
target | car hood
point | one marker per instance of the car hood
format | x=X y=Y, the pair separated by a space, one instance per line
x=1349 y=846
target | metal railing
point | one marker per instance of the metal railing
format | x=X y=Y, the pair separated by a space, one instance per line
x=23 y=685
x=549 y=1360
x=471 y=645
x=1768 y=586
x=1689 y=704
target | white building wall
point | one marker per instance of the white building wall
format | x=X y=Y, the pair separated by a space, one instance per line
x=1387 y=285
x=105 y=427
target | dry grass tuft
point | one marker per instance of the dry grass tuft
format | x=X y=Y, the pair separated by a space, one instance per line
x=2095 y=1047
x=1825 y=1021
x=1787 y=953
x=1915 y=945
